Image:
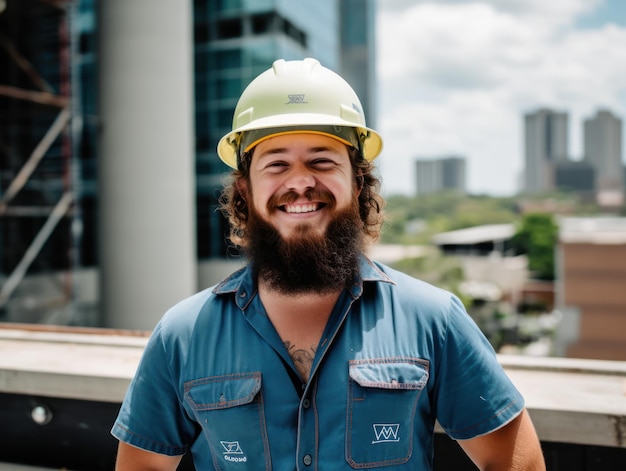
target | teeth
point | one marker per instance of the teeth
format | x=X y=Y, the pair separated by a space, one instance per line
x=301 y=208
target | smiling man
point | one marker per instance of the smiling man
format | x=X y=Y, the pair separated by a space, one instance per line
x=314 y=356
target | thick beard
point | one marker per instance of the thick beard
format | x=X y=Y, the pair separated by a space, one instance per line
x=307 y=262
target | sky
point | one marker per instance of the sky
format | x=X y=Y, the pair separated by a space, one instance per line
x=455 y=78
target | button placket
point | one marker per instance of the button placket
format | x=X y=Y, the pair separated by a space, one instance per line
x=307 y=424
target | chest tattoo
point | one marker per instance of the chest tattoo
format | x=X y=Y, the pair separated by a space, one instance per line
x=302 y=359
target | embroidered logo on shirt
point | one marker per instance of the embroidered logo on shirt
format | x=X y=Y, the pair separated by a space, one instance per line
x=386 y=433
x=233 y=452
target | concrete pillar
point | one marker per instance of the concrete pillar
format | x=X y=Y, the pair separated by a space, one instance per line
x=146 y=167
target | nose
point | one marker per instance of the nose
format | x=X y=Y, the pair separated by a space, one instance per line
x=300 y=178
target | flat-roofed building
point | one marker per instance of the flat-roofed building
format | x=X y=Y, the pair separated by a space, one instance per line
x=603 y=149
x=441 y=174
x=591 y=274
x=574 y=176
x=546 y=143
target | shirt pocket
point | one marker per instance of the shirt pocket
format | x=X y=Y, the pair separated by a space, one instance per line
x=382 y=398
x=230 y=411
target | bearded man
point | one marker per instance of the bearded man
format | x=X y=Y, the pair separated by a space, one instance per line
x=313 y=356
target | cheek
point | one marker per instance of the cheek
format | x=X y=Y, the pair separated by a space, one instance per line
x=258 y=196
x=345 y=191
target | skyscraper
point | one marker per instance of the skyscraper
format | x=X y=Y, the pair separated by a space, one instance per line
x=44 y=153
x=603 y=150
x=442 y=174
x=546 y=143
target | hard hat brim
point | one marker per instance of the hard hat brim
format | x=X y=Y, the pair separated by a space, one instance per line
x=371 y=141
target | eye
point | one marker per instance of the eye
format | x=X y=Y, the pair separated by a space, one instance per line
x=323 y=163
x=275 y=165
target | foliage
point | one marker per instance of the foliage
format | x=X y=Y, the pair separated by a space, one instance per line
x=441 y=212
x=537 y=236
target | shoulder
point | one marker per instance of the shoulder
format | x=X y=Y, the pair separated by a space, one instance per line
x=177 y=324
x=406 y=289
x=209 y=301
x=188 y=308
x=432 y=307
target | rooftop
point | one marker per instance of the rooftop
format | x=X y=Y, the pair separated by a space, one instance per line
x=475 y=235
x=593 y=230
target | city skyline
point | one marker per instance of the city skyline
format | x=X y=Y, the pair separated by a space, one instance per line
x=457 y=77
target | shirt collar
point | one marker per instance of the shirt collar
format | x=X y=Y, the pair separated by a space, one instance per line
x=243 y=285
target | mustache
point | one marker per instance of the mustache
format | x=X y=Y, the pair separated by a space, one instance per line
x=312 y=194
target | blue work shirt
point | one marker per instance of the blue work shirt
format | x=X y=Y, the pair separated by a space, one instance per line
x=396 y=355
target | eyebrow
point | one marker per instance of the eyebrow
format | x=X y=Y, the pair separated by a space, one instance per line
x=324 y=149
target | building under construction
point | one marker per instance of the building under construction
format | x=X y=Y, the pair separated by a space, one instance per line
x=47 y=152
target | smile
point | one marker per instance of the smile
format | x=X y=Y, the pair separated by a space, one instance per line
x=301 y=208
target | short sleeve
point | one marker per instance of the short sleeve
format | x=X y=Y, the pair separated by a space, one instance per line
x=473 y=394
x=152 y=416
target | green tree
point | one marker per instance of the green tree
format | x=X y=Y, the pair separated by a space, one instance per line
x=536 y=237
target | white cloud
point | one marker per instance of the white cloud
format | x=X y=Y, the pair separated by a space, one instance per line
x=457 y=77
x=555 y=11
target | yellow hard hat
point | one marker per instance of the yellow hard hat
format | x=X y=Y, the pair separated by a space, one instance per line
x=294 y=97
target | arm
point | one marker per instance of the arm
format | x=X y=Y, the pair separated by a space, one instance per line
x=514 y=447
x=130 y=458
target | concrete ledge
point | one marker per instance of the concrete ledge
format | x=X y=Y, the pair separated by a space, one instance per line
x=570 y=400
x=573 y=400
x=87 y=364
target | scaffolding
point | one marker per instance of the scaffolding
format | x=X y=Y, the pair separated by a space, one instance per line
x=39 y=134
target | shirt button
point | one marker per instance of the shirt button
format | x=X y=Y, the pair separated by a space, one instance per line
x=307 y=460
x=306 y=403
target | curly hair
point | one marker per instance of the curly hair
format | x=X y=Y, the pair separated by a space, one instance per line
x=234 y=206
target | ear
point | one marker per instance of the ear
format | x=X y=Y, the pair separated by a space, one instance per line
x=242 y=187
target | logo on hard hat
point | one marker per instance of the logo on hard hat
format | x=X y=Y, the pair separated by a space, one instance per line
x=296 y=99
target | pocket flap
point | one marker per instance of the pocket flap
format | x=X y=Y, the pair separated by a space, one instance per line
x=390 y=373
x=221 y=392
